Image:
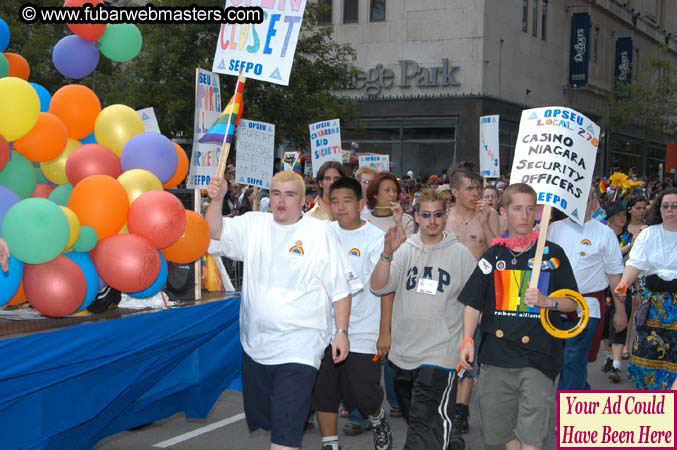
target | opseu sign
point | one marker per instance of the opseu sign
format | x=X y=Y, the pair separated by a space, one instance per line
x=579 y=50
x=555 y=154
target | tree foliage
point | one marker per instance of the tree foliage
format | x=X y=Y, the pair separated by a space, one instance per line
x=650 y=101
x=163 y=74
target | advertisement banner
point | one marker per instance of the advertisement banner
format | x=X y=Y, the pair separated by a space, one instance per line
x=579 y=51
x=263 y=51
x=623 y=65
x=204 y=157
x=325 y=143
x=555 y=154
x=255 y=147
x=490 y=164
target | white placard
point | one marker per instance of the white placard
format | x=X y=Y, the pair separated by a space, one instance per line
x=325 y=143
x=490 y=165
x=263 y=51
x=204 y=158
x=381 y=163
x=255 y=148
x=555 y=154
x=149 y=120
x=288 y=161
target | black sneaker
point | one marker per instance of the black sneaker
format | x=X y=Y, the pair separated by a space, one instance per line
x=615 y=375
x=456 y=442
x=383 y=436
x=459 y=422
x=329 y=447
x=608 y=365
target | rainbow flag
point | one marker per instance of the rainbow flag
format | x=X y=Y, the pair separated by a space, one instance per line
x=601 y=187
x=510 y=286
x=223 y=128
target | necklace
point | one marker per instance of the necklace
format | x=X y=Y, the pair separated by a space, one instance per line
x=513 y=261
x=510 y=242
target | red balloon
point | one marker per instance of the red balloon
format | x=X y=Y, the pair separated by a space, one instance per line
x=4 y=152
x=42 y=190
x=157 y=216
x=89 y=31
x=92 y=159
x=126 y=262
x=56 y=288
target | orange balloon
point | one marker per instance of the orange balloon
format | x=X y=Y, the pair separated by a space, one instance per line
x=19 y=298
x=18 y=66
x=77 y=106
x=100 y=202
x=181 y=169
x=46 y=140
x=192 y=244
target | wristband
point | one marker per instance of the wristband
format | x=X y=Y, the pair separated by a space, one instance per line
x=386 y=258
x=342 y=330
x=621 y=288
x=468 y=339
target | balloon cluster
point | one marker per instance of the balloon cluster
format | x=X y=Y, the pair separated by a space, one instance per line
x=77 y=55
x=82 y=200
x=11 y=64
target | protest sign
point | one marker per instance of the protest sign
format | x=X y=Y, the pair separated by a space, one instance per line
x=555 y=154
x=204 y=158
x=325 y=143
x=263 y=51
x=489 y=150
x=381 y=163
x=288 y=161
x=149 y=120
x=255 y=145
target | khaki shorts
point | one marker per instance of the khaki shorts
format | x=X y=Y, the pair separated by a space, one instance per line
x=515 y=404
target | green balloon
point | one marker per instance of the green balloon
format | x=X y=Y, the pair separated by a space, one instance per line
x=4 y=66
x=36 y=230
x=87 y=239
x=121 y=42
x=39 y=176
x=61 y=194
x=19 y=175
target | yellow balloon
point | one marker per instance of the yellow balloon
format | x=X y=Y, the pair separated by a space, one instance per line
x=115 y=125
x=138 y=181
x=55 y=170
x=73 y=226
x=19 y=108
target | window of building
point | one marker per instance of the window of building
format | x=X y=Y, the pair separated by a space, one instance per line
x=534 y=18
x=350 y=8
x=525 y=15
x=595 y=45
x=377 y=11
x=325 y=12
x=544 y=20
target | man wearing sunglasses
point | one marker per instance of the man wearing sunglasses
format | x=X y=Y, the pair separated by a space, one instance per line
x=426 y=272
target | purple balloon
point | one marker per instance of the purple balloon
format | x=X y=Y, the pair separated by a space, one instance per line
x=7 y=198
x=153 y=152
x=75 y=57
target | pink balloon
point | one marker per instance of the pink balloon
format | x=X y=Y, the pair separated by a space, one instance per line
x=126 y=262
x=157 y=216
x=42 y=190
x=92 y=159
x=56 y=288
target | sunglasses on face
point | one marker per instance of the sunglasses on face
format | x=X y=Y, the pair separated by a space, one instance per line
x=427 y=214
x=666 y=206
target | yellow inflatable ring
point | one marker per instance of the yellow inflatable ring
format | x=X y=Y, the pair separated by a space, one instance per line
x=582 y=320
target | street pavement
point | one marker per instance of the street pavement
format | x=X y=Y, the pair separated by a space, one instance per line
x=225 y=427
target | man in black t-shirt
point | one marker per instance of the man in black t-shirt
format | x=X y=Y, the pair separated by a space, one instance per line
x=518 y=359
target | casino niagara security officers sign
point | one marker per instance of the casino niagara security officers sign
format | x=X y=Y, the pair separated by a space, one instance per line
x=555 y=154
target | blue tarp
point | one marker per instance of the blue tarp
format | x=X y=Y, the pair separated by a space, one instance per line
x=70 y=388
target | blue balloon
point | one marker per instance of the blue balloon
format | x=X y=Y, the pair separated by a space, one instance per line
x=91 y=139
x=44 y=95
x=86 y=264
x=4 y=35
x=7 y=199
x=75 y=57
x=157 y=285
x=10 y=280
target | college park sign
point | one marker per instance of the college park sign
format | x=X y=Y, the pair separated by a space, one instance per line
x=409 y=74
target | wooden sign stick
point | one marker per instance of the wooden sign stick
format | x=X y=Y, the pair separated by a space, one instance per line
x=225 y=146
x=197 y=200
x=538 y=257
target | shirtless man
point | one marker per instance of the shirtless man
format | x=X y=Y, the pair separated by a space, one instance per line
x=475 y=223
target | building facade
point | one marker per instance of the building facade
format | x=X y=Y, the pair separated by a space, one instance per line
x=426 y=70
